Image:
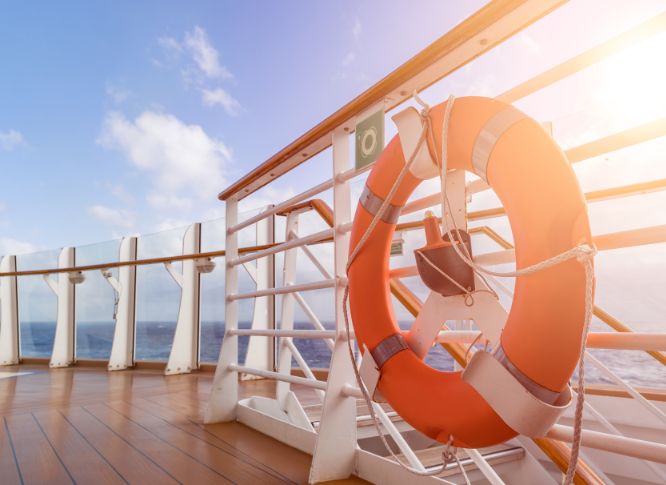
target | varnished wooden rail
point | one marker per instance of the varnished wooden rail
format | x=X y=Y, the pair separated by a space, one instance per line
x=136 y=262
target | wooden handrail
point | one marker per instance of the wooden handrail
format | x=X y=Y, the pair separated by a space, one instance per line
x=586 y=59
x=417 y=73
x=136 y=262
x=593 y=196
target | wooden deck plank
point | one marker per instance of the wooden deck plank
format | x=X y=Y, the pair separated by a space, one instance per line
x=8 y=467
x=217 y=458
x=84 y=462
x=35 y=456
x=133 y=465
x=183 y=422
x=137 y=427
x=182 y=466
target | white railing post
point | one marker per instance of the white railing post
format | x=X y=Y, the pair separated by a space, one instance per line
x=335 y=449
x=224 y=392
x=260 y=350
x=184 y=355
x=122 y=349
x=65 y=338
x=9 y=329
x=287 y=309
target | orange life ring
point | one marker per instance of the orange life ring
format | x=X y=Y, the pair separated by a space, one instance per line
x=547 y=213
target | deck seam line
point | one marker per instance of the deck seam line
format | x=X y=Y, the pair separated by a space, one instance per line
x=200 y=426
x=254 y=462
x=53 y=448
x=93 y=447
x=11 y=445
x=171 y=445
x=132 y=446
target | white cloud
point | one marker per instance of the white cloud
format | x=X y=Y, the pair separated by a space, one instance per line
x=218 y=96
x=111 y=216
x=170 y=44
x=204 y=54
x=14 y=246
x=120 y=193
x=356 y=29
x=116 y=93
x=160 y=201
x=203 y=69
x=349 y=58
x=179 y=157
x=11 y=139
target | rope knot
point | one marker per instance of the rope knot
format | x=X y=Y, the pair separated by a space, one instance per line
x=585 y=253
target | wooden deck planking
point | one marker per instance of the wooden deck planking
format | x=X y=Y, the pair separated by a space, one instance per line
x=84 y=463
x=130 y=463
x=183 y=467
x=36 y=457
x=86 y=425
x=9 y=470
x=220 y=459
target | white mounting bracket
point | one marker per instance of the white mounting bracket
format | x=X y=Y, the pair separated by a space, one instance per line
x=486 y=311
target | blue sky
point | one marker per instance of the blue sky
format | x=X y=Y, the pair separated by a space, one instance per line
x=127 y=117
x=124 y=118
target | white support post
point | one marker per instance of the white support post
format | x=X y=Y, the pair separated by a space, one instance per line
x=335 y=449
x=184 y=355
x=9 y=329
x=224 y=393
x=65 y=338
x=260 y=351
x=122 y=349
x=287 y=315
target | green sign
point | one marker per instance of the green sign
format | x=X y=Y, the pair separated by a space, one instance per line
x=369 y=139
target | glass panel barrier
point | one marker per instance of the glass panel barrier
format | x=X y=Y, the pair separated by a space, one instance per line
x=95 y=300
x=37 y=304
x=157 y=295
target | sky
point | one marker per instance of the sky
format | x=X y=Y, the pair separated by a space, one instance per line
x=122 y=118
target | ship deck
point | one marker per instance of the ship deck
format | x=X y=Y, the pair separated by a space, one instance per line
x=86 y=425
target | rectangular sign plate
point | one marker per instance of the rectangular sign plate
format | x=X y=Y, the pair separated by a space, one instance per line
x=369 y=139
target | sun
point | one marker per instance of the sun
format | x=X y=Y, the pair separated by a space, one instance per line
x=633 y=86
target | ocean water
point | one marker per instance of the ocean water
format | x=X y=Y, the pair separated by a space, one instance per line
x=153 y=342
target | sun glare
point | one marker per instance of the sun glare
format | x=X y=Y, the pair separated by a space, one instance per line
x=634 y=82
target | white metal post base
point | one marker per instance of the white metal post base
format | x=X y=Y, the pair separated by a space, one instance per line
x=122 y=349
x=224 y=393
x=335 y=450
x=9 y=329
